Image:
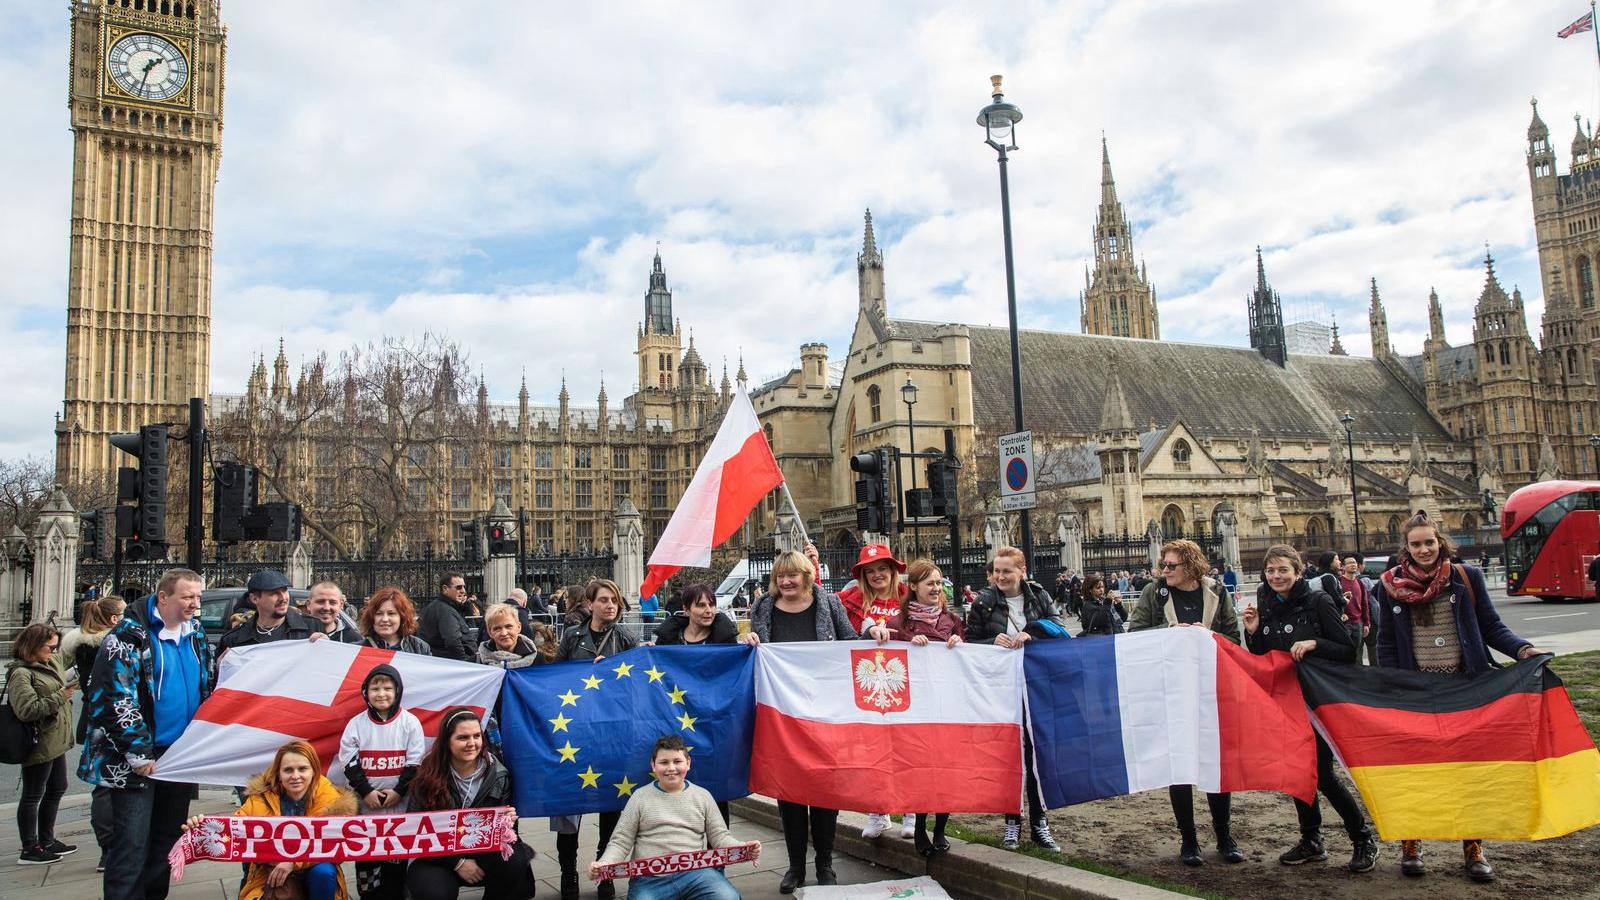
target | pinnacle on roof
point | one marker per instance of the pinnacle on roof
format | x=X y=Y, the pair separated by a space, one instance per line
x=522 y=395
x=1337 y=349
x=742 y=378
x=869 y=256
x=1114 y=415
x=1376 y=302
x=564 y=396
x=1108 y=184
x=1261 y=270
x=1536 y=128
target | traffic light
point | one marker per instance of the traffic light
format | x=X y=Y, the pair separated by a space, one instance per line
x=500 y=542
x=146 y=531
x=874 y=511
x=942 y=486
x=276 y=521
x=233 y=496
x=89 y=533
x=471 y=542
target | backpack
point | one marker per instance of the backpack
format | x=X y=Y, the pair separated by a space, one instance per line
x=1326 y=581
x=17 y=738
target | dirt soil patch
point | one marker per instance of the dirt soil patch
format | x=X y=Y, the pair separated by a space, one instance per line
x=1135 y=835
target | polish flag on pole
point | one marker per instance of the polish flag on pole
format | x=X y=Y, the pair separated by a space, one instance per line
x=854 y=725
x=736 y=472
x=270 y=694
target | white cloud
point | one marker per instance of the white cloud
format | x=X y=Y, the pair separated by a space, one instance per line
x=406 y=165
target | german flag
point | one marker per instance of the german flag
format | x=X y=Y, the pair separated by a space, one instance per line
x=1502 y=756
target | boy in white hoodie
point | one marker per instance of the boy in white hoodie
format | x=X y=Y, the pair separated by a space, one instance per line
x=379 y=753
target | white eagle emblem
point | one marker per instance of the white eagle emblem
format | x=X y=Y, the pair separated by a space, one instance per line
x=882 y=680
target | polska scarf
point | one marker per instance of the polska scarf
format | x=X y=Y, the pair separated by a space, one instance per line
x=313 y=839
x=1410 y=583
x=673 y=863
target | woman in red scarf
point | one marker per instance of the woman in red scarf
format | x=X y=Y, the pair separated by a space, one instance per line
x=1436 y=617
x=924 y=617
x=874 y=599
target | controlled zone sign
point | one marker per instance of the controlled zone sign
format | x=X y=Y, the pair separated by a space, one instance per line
x=1016 y=471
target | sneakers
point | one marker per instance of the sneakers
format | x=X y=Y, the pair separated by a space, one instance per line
x=1042 y=836
x=1308 y=850
x=1013 y=835
x=1411 y=859
x=877 y=823
x=1189 y=851
x=1364 y=852
x=37 y=856
x=61 y=849
x=1478 y=868
x=908 y=826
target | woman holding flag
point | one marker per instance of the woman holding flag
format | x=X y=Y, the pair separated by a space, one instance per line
x=924 y=617
x=798 y=609
x=1303 y=621
x=874 y=598
x=1436 y=617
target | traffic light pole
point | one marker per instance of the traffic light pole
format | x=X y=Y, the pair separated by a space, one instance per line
x=197 y=459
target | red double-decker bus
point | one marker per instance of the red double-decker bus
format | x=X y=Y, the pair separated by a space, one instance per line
x=1552 y=531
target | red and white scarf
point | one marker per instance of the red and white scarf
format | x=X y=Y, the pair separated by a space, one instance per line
x=314 y=839
x=673 y=863
x=1410 y=583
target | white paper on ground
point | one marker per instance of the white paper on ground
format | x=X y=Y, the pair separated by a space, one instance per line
x=923 y=888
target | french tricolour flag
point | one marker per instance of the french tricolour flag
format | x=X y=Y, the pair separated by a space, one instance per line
x=855 y=725
x=1126 y=713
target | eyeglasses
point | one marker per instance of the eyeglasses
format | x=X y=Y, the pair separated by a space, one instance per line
x=1166 y=565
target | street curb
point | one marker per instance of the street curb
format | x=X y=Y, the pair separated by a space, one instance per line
x=968 y=870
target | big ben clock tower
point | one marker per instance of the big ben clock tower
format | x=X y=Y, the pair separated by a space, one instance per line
x=146 y=108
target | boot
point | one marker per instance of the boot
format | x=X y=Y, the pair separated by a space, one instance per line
x=792 y=879
x=1227 y=847
x=1189 y=850
x=1308 y=850
x=919 y=834
x=567 y=855
x=940 y=845
x=1411 y=859
x=1364 y=852
x=825 y=873
x=606 y=890
x=1478 y=868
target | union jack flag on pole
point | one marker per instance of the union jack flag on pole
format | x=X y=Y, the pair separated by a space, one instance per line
x=1584 y=23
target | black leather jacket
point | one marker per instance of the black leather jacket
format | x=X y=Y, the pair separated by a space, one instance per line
x=987 y=618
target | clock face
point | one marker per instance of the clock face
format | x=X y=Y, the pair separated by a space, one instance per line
x=147 y=66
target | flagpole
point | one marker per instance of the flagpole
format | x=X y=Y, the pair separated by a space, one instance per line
x=790 y=497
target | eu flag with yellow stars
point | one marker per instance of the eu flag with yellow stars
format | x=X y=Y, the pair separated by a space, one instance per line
x=577 y=735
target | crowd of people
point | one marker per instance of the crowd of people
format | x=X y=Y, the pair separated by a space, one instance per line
x=144 y=668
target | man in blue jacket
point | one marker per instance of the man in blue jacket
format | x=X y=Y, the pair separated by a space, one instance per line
x=150 y=677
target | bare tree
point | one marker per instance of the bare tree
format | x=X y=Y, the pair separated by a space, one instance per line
x=363 y=448
x=26 y=483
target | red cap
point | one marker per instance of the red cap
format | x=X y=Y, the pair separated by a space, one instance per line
x=872 y=553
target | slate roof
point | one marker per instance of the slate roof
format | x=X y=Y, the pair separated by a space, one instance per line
x=1453 y=362
x=1218 y=391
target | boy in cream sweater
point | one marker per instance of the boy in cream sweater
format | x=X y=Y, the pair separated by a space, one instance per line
x=672 y=816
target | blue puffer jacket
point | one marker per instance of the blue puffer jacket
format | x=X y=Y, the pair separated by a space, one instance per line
x=120 y=700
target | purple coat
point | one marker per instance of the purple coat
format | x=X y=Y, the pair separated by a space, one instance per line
x=1477 y=624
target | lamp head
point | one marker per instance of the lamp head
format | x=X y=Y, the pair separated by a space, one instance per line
x=908 y=391
x=999 y=119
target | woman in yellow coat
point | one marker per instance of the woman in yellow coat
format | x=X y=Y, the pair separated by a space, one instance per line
x=293 y=786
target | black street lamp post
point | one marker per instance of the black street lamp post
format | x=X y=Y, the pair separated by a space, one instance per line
x=1594 y=441
x=1350 y=454
x=908 y=393
x=999 y=120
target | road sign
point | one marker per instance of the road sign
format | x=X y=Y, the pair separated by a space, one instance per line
x=1016 y=471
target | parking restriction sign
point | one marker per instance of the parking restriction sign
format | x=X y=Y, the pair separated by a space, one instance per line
x=1016 y=471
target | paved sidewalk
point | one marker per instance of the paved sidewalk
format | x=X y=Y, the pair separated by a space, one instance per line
x=74 y=878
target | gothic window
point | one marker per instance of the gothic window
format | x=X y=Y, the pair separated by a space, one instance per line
x=325 y=454
x=544 y=494
x=544 y=531
x=874 y=402
x=542 y=457
x=585 y=535
x=582 y=458
x=1111 y=245
x=658 y=459
x=620 y=489
x=1505 y=353
x=658 y=494
x=502 y=490
x=767 y=430
x=1585 y=282
x=1392 y=531
x=459 y=458
x=460 y=493
x=502 y=457
x=1572 y=362
x=1516 y=457
x=417 y=491
x=619 y=457
x=1180 y=455
x=1488 y=353
x=1172 y=522
x=1511 y=416
x=583 y=494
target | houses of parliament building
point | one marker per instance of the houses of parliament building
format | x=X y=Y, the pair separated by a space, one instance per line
x=1130 y=429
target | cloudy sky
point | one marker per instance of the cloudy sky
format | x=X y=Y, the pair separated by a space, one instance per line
x=398 y=166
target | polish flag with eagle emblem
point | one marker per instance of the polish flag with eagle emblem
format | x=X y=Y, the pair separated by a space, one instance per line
x=852 y=725
x=269 y=694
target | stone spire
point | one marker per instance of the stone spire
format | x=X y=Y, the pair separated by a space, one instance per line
x=1378 y=320
x=869 y=277
x=869 y=255
x=1117 y=299
x=740 y=376
x=1337 y=349
x=658 y=300
x=1114 y=414
x=1435 y=321
x=280 y=373
x=522 y=400
x=564 y=399
x=1266 y=318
